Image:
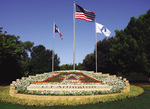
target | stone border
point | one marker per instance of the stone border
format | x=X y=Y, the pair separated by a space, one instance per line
x=14 y=93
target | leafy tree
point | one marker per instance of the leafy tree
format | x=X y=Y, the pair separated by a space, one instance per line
x=126 y=55
x=139 y=28
x=10 y=57
x=104 y=55
x=70 y=67
x=1 y=29
x=80 y=66
x=25 y=60
x=131 y=50
x=66 y=67
x=41 y=60
x=15 y=62
x=13 y=55
x=89 y=62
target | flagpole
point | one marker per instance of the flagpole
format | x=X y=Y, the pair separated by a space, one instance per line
x=74 y=36
x=95 y=47
x=53 y=47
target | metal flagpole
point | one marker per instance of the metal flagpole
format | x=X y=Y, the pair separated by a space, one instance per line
x=95 y=47
x=53 y=47
x=74 y=37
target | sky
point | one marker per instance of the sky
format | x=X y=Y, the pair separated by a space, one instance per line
x=32 y=20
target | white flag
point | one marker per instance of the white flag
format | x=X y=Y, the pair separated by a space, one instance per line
x=102 y=29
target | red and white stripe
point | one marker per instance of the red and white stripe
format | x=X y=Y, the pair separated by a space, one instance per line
x=60 y=34
x=80 y=15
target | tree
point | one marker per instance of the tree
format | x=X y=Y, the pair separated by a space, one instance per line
x=126 y=56
x=89 y=62
x=139 y=29
x=80 y=66
x=13 y=57
x=1 y=29
x=131 y=48
x=25 y=60
x=127 y=53
x=10 y=57
x=70 y=67
x=41 y=60
x=66 y=67
x=104 y=55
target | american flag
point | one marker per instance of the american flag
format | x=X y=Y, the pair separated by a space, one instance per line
x=83 y=14
x=57 y=31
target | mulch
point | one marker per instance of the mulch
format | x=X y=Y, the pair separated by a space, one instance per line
x=141 y=84
x=2 y=87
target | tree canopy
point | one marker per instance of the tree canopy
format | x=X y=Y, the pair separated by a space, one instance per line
x=41 y=60
x=15 y=61
x=12 y=54
x=131 y=48
x=127 y=53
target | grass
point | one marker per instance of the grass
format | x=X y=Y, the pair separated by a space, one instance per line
x=141 y=102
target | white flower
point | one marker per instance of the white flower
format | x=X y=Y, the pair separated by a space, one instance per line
x=115 y=84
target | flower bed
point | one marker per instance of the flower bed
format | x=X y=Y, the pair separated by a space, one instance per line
x=34 y=100
x=70 y=78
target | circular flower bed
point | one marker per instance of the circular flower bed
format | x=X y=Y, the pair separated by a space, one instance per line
x=67 y=101
x=70 y=78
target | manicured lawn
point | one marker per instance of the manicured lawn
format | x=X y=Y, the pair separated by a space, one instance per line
x=141 y=102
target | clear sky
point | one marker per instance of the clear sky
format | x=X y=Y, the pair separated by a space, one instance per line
x=32 y=20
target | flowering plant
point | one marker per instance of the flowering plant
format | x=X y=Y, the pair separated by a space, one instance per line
x=70 y=78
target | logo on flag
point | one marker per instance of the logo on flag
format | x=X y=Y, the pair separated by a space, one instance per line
x=83 y=14
x=102 y=29
x=57 y=31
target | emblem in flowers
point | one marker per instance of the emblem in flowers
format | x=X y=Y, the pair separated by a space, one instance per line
x=70 y=78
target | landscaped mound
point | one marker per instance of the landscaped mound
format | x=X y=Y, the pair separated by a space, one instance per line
x=70 y=78
x=4 y=97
